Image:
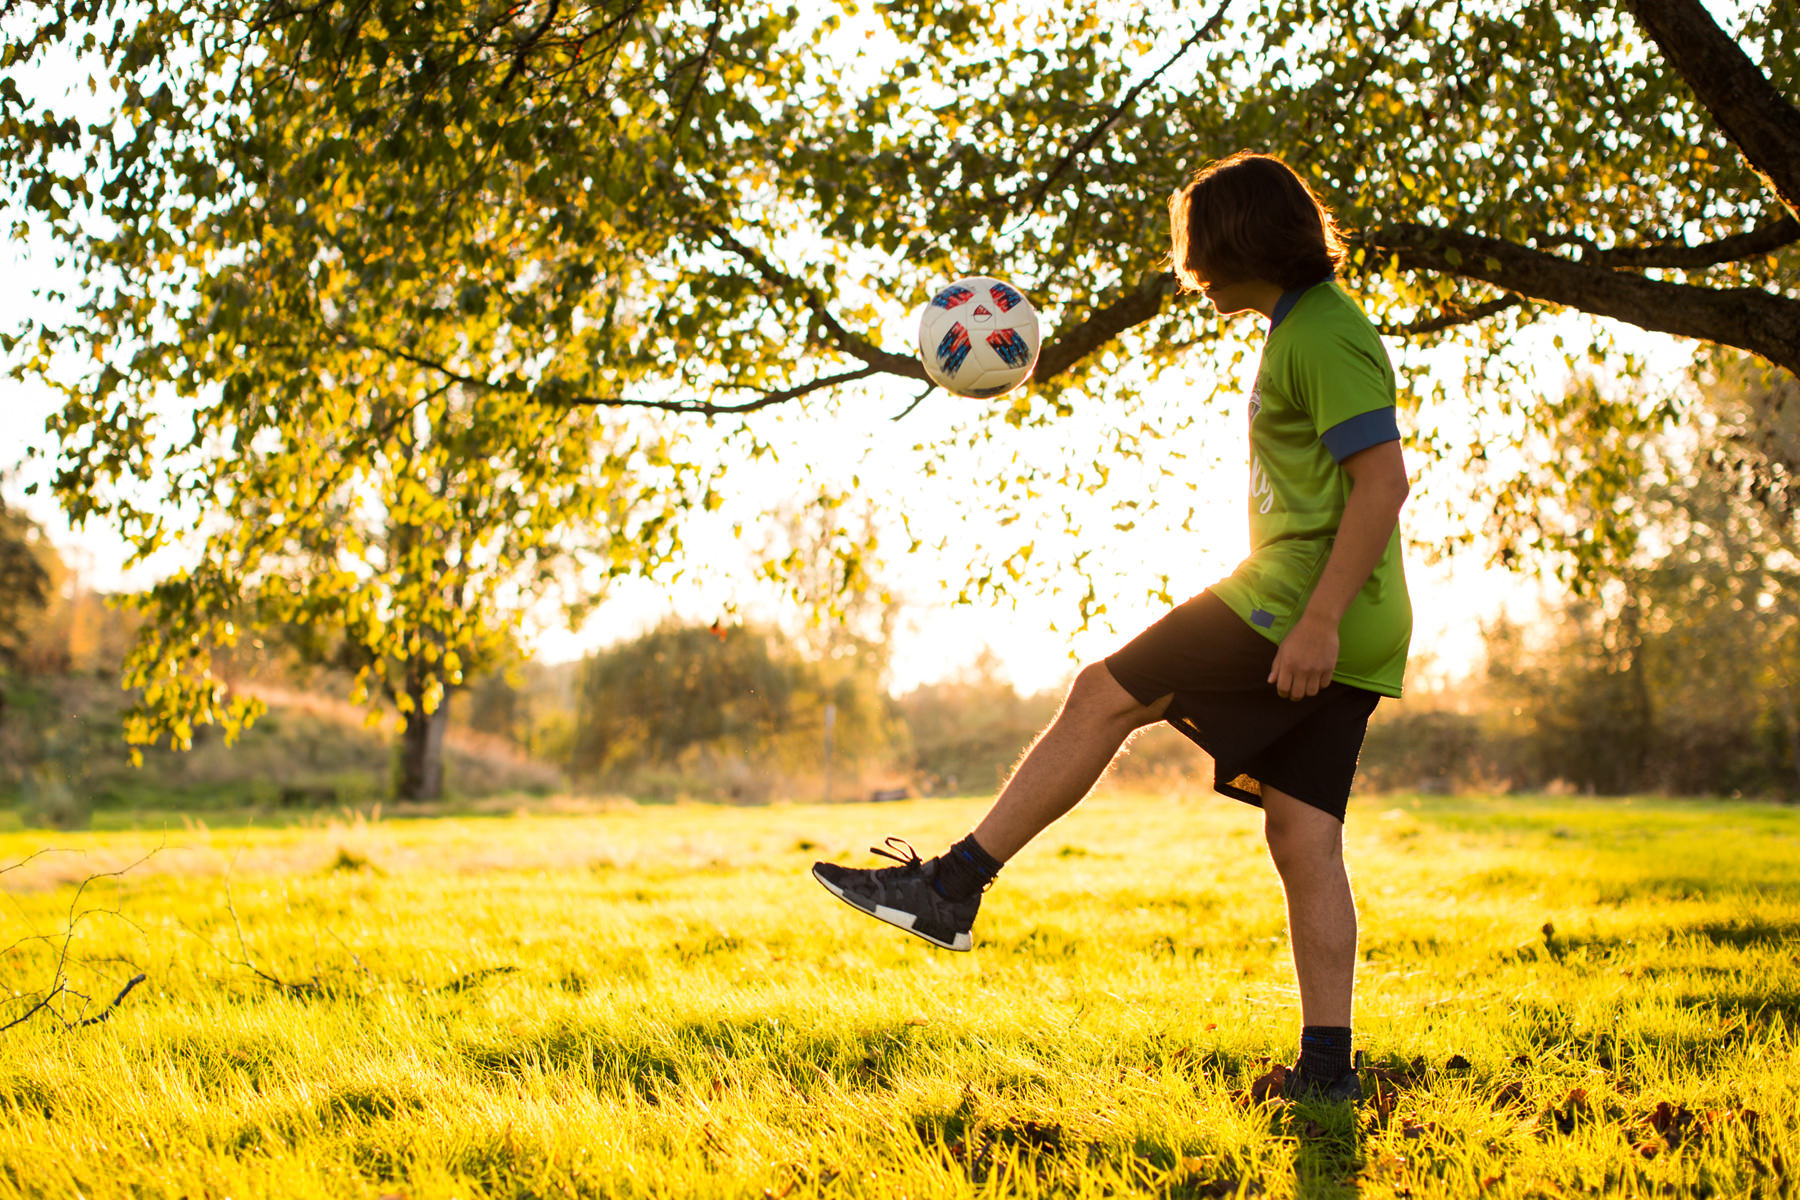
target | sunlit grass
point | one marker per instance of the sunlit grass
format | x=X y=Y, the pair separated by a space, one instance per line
x=660 y=1002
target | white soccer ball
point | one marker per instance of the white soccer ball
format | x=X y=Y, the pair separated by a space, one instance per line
x=979 y=337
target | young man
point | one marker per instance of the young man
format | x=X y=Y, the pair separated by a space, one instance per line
x=1273 y=671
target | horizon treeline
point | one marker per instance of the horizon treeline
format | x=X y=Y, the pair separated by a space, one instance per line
x=1669 y=663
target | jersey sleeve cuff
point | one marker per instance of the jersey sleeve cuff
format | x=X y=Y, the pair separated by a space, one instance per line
x=1360 y=432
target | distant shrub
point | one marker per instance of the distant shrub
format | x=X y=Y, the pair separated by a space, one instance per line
x=46 y=801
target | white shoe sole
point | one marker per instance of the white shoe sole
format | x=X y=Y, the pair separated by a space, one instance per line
x=899 y=920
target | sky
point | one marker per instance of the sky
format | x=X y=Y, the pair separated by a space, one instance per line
x=1030 y=635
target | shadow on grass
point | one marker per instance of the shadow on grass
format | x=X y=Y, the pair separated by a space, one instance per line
x=1753 y=1011
x=1328 y=1154
x=657 y=1063
x=1744 y=933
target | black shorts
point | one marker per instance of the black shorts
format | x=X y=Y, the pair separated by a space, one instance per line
x=1217 y=669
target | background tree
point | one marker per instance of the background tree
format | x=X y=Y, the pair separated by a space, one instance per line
x=24 y=588
x=735 y=707
x=398 y=516
x=1676 y=669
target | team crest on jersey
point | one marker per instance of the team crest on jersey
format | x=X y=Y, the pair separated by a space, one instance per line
x=1255 y=401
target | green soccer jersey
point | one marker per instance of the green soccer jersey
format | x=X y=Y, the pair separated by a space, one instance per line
x=1324 y=391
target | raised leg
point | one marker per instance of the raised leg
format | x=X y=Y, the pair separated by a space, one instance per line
x=1066 y=760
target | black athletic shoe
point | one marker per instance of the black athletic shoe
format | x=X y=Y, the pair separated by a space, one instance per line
x=1345 y=1089
x=903 y=896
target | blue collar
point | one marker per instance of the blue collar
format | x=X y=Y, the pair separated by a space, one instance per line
x=1285 y=305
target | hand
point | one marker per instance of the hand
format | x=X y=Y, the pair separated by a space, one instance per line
x=1304 y=660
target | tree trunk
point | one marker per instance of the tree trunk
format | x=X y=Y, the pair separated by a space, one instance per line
x=421 y=771
x=1641 y=709
x=1784 y=694
x=1758 y=119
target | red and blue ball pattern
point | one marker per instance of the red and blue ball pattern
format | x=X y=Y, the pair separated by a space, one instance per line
x=950 y=297
x=952 y=348
x=1013 y=350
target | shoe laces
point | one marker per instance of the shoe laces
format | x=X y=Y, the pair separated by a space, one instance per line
x=896 y=844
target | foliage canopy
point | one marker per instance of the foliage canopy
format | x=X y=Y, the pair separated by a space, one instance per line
x=405 y=268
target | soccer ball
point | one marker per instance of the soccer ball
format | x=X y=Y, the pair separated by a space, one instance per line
x=979 y=337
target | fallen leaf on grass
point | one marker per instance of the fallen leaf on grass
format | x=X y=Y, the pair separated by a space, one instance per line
x=1040 y=1135
x=1565 y=1116
x=1672 y=1124
x=1402 y=1077
x=1268 y=1085
x=1196 y=1177
x=1671 y=1121
x=1747 y=1117
x=1509 y=1095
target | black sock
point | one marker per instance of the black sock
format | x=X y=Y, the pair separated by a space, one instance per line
x=963 y=870
x=1324 y=1053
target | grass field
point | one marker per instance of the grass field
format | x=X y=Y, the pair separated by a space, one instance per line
x=1562 y=997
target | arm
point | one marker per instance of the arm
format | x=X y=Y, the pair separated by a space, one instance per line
x=1378 y=487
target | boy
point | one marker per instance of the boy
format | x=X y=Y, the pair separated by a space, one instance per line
x=1273 y=671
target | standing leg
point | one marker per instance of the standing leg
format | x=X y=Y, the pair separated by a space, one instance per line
x=1307 y=845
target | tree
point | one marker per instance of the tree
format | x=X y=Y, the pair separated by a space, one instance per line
x=966 y=731
x=501 y=218
x=735 y=698
x=1678 y=669
x=24 y=585
x=398 y=517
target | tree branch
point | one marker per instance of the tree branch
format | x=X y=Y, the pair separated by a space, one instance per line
x=702 y=408
x=1762 y=123
x=1752 y=243
x=1072 y=344
x=837 y=336
x=1205 y=33
x=1451 y=318
x=59 y=983
x=698 y=407
x=679 y=131
x=106 y=1012
x=522 y=50
x=1761 y=322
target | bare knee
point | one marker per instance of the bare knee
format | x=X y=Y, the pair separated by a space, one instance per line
x=1097 y=696
x=1303 y=846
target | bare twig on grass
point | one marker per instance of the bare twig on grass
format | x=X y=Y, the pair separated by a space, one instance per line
x=310 y=987
x=60 y=986
x=61 y=989
x=318 y=984
x=469 y=979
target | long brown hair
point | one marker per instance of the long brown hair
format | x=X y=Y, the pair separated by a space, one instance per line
x=1250 y=217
